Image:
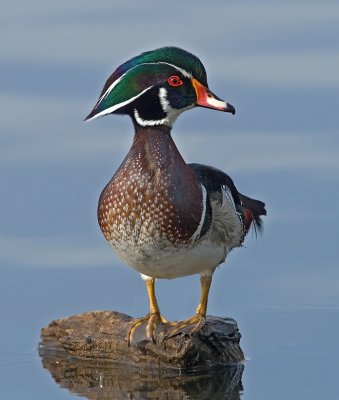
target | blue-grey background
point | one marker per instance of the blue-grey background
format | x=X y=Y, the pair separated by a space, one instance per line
x=278 y=64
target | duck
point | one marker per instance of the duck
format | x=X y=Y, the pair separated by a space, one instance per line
x=164 y=217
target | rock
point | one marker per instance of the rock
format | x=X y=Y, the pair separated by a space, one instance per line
x=102 y=335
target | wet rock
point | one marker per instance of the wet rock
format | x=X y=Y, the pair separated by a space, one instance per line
x=102 y=335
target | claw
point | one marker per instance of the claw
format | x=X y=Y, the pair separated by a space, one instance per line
x=154 y=318
x=191 y=325
x=151 y=321
x=194 y=324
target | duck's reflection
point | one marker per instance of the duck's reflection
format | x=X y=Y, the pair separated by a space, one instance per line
x=104 y=380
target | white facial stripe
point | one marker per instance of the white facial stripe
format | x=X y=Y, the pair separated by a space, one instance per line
x=117 y=106
x=203 y=214
x=163 y=100
x=183 y=71
x=162 y=96
x=172 y=113
x=112 y=86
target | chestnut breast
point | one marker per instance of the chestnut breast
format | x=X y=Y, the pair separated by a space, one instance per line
x=154 y=199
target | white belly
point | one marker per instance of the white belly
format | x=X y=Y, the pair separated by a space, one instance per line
x=171 y=262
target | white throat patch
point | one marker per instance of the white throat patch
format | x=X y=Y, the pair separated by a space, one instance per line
x=149 y=122
x=171 y=113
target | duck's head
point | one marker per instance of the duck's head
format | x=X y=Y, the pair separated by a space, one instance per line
x=156 y=86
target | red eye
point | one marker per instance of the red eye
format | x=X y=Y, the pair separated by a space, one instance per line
x=174 y=81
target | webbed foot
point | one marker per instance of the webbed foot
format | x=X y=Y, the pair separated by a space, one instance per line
x=189 y=326
x=151 y=321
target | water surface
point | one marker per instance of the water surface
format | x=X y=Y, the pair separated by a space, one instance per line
x=277 y=63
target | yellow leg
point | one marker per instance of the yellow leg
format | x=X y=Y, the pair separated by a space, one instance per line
x=205 y=282
x=195 y=323
x=153 y=304
x=153 y=318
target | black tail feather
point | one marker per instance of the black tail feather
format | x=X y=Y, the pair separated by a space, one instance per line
x=256 y=209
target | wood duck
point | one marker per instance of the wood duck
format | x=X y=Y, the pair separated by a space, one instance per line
x=163 y=217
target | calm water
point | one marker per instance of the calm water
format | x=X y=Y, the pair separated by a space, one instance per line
x=277 y=63
x=292 y=352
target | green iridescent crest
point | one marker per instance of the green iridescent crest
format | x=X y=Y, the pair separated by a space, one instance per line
x=172 y=55
x=140 y=73
x=131 y=85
